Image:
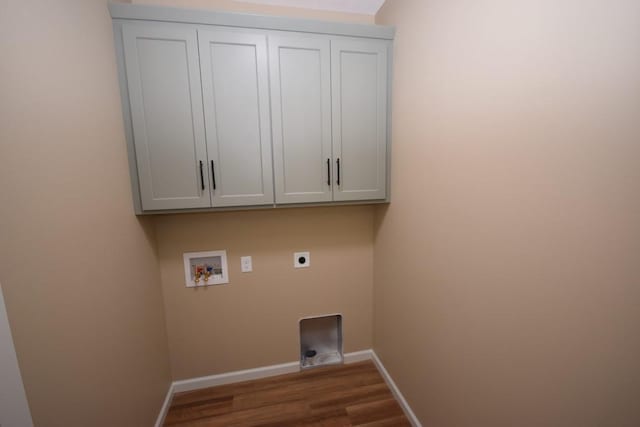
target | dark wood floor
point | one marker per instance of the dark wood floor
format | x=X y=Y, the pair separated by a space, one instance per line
x=345 y=395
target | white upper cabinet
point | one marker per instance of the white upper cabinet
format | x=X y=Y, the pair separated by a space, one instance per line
x=235 y=86
x=301 y=112
x=225 y=110
x=359 y=107
x=163 y=77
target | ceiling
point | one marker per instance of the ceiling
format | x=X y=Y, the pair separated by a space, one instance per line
x=366 y=7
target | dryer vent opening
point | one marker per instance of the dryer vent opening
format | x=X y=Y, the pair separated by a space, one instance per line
x=321 y=341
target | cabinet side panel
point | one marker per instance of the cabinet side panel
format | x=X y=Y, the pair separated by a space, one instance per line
x=126 y=116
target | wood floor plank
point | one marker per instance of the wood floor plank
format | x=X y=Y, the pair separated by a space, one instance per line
x=336 y=396
x=310 y=390
x=198 y=410
x=374 y=411
x=351 y=396
x=400 y=421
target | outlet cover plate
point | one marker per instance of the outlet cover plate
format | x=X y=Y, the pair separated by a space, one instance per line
x=301 y=259
x=246 y=264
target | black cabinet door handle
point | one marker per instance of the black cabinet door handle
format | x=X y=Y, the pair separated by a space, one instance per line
x=213 y=175
x=338 y=180
x=201 y=176
x=329 y=172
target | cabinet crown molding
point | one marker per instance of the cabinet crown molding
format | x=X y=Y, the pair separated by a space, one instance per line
x=244 y=20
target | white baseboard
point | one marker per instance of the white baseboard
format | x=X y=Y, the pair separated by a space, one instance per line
x=273 y=370
x=358 y=356
x=165 y=407
x=235 y=377
x=396 y=391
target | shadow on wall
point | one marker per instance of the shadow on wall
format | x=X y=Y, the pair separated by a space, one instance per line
x=379 y=215
x=269 y=229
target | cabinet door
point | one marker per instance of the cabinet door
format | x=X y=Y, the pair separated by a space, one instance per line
x=359 y=108
x=301 y=114
x=163 y=77
x=236 y=104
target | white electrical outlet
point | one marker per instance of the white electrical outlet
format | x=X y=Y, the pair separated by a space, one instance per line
x=246 y=264
x=301 y=259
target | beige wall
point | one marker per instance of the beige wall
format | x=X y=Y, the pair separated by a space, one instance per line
x=239 y=6
x=78 y=269
x=507 y=266
x=253 y=321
